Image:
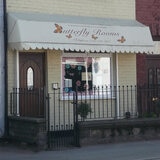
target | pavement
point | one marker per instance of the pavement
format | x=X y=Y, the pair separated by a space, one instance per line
x=143 y=150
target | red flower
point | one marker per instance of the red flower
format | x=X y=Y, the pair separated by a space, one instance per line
x=78 y=83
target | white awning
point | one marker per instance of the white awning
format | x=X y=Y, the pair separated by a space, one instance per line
x=36 y=31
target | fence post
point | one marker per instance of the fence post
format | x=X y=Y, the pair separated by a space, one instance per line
x=139 y=101
x=116 y=102
x=76 y=124
x=48 y=120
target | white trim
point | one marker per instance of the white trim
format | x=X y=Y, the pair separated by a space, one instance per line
x=85 y=97
x=156 y=47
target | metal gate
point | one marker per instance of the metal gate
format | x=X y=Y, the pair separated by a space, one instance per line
x=63 y=129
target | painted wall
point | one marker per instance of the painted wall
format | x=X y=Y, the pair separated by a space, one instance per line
x=101 y=8
x=54 y=68
x=2 y=73
x=12 y=76
x=126 y=69
x=126 y=65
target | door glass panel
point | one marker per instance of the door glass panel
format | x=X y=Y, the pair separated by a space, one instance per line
x=158 y=76
x=150 y=77
x=30 y=78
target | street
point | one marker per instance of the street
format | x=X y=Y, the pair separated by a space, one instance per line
x=144 y=150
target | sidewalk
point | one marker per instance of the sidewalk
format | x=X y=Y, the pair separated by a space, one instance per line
x=144 y=150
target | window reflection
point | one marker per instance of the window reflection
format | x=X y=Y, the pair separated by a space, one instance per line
x=150 y=77
x=84 y=73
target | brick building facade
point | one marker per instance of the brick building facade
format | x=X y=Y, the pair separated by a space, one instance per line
x=148 y=13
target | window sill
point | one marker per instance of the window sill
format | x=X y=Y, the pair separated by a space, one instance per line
x=84 y=97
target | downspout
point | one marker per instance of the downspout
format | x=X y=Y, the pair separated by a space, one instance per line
x=5 y=67
x=117 y=84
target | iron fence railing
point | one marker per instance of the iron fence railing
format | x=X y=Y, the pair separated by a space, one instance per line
x=109 y=102
x=27 y=103
x=101 y=103
x=64 y=109
x=148 y=101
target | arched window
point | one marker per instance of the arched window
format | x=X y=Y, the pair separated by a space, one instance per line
x=150 y=77
x=30 y=78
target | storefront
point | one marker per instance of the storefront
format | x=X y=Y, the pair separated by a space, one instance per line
x=57 y=51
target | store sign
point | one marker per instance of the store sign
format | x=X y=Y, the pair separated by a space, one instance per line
x=89 y=33
x=27 y=34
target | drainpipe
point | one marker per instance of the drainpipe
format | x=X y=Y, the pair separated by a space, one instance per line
x=5 y=67
x=117 y=84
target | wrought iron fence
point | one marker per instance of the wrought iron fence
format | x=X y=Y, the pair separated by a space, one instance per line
x=66 y=108
x=27 y=102
x=148 y=101
x=109 y=102
x=97 y=104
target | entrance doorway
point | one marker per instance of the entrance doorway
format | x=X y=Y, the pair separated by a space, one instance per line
x=148 y=82
x=31 y=82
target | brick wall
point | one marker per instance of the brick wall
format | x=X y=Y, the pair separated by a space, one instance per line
x=141 y=70
x=101 y=8
x=28 y=130
x=148 y=13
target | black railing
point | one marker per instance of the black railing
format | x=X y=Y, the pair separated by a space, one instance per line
x=27 y=102
x=148 y=101
x=66 y=108
x=110 y=102
x=105 y=103
x=97 y=104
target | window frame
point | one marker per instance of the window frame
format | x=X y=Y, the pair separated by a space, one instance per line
x=68 y=96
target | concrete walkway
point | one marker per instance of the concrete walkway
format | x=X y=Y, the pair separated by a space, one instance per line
x=144 y=150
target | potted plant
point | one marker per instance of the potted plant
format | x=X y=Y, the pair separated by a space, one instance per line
x=156 y=101
x=83 y=109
